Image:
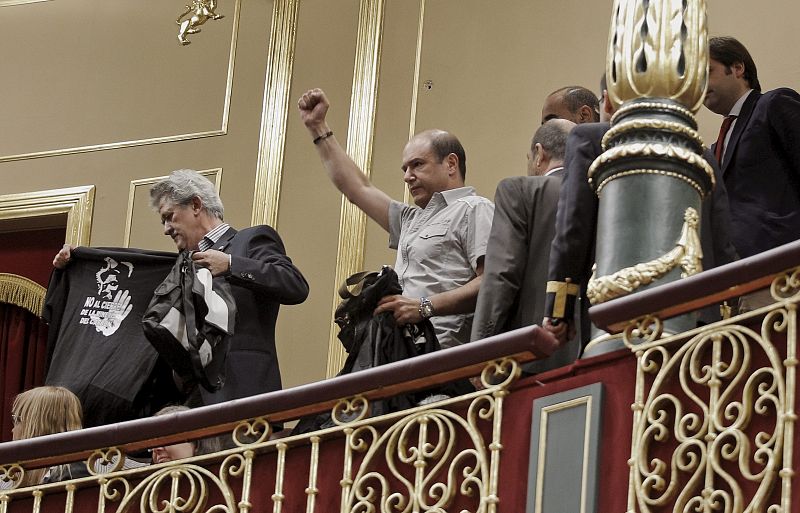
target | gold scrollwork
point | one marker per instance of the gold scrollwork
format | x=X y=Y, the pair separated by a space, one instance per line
x=646 y=329
x=253 y=431
x=500 y=373
x=435 y=457
x=349 y=410
x=786 y=285
x=718 y=414
x=424 y=464
x=11 y=476
x=188 y=491
x=687 y=253
x=104 y=461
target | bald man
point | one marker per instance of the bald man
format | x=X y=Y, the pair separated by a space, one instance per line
x=573 y=103
x=441 y=242
x=512 y=293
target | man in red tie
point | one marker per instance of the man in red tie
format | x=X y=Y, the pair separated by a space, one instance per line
x=758 y=149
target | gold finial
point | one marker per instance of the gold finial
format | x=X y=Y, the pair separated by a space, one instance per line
x=658 y=49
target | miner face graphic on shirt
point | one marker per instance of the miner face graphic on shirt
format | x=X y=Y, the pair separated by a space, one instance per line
x=112 y=304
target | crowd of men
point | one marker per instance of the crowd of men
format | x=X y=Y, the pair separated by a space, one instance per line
x=476 y=268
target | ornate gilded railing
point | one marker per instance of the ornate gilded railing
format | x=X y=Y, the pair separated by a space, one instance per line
x=714 y=410
x=436 y=457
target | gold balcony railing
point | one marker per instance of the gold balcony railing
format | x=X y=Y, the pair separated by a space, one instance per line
x=428 y=458
x=714 y=410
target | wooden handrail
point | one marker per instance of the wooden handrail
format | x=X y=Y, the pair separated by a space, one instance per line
x=524 y=344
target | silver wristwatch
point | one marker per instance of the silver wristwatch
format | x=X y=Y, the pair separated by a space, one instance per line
x=425 y=308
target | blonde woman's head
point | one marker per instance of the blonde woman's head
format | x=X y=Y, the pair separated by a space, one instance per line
x=45 y=411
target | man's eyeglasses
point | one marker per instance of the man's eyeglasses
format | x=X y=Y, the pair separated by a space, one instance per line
x=16 y=419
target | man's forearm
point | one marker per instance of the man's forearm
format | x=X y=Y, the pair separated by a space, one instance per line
x=457 y=301
x=342 y=171
x=350 y=180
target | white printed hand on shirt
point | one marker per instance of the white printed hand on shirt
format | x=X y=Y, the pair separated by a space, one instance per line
x=117 y=312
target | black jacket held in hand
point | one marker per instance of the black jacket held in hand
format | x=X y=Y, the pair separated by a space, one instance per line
x=189 y=321
x=374 y=340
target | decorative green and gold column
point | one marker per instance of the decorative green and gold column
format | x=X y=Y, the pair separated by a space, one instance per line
x=652 y=177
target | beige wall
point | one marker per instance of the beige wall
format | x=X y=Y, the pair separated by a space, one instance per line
x=83 y=74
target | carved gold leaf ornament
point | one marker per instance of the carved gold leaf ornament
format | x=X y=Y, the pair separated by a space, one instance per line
x=687 y=254
x=654 y=150
x=632 y=126
x=658 y=49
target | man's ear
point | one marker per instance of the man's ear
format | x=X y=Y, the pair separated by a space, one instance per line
x=539 y=154
x=585 y=114
x=197 y=205
x=738 y=69
x=452 y=164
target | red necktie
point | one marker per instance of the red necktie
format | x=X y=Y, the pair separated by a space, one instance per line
x=723 y=131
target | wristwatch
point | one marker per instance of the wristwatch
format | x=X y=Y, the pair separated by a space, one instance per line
x=425 y=308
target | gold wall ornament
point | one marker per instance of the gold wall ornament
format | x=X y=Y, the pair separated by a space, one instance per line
x=147 y=141
x=76 y=202
x=360 y=136
x=412 y=118
x=22 y=292
x=274 y=112
x=196 y=14
x=9 y=3
x=714 y=409
x=658 y=49
x=687 y=254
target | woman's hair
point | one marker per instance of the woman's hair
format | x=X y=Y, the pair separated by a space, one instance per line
x=45 y=411
x=201 y=446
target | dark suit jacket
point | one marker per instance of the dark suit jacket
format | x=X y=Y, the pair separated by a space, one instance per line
x=572 y=253
x=262 y=277
x=514 y=279
x=762 y=172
